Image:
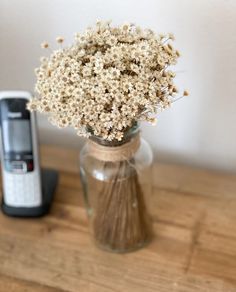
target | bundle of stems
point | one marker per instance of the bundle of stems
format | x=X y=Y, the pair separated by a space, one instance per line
x=121 y=222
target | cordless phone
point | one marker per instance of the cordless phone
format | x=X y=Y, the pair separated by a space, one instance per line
x=21 y=174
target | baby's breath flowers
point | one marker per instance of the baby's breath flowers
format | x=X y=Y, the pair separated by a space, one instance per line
x=108 y=79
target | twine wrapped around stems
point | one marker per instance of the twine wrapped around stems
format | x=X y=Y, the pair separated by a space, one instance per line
x=120 y=222
x=114 y=153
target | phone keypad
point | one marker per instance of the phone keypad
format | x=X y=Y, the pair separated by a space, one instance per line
x=22 y=190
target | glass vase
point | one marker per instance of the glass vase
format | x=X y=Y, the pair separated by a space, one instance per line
x=117 y=187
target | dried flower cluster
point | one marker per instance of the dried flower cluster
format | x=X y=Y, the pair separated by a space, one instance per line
x=108 y=79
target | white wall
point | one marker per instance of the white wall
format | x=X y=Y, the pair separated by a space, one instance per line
x=199 y=130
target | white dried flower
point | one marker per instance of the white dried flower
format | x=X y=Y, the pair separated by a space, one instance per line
x=44 y=45
x=60 y=39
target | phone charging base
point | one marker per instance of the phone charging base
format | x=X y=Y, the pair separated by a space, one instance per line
x=49 y=183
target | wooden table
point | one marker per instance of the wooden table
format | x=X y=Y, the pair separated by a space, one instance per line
x=194 y=248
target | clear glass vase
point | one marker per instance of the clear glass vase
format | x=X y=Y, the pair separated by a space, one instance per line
x=117 y=190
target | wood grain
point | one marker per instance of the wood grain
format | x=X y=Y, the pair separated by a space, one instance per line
x=194 y=248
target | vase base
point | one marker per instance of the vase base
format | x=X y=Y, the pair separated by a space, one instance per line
x=126 y=250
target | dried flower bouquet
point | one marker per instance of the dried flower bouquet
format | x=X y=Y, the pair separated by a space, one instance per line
x=109 y=79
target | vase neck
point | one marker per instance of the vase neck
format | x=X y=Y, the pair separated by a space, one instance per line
x=128 y=135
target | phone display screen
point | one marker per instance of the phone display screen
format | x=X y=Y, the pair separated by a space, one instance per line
x=17 y=135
